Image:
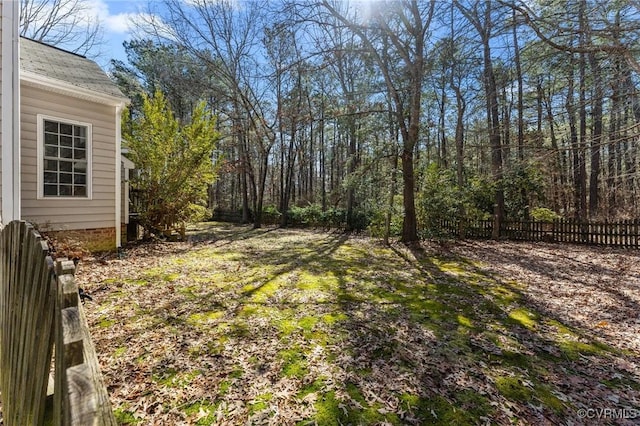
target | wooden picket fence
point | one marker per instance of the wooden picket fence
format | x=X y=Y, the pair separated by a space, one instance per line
x=624 y=233
x=40 y=310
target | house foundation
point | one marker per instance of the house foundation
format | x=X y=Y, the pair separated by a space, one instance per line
x=84 y=240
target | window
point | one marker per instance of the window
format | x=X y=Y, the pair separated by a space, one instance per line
x=65 y=149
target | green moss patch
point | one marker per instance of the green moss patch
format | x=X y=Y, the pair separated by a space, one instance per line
x=514 y=388
x=201 y=412
x=294 y=363
x=106 y=322
x=201 y=318
x=573 y=348
x=260 y=403
x=125 y=417
x=524 y=317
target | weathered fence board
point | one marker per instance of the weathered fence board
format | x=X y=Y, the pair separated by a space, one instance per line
x=615 y=234
x=39 y=308
x=27 y=309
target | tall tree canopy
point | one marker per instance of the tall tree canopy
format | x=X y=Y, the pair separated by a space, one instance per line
x=396 y=115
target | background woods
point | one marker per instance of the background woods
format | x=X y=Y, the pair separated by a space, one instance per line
x=393 y=115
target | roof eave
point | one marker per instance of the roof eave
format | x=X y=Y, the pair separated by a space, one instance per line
x=57 y=86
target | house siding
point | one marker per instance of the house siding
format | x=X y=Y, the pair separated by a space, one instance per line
x=69 y=214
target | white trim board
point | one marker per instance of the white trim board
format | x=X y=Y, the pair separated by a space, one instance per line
x=10 y=112
x=64 y=88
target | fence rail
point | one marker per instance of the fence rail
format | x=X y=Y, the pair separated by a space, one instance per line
x=40 y=310
x=625 y=233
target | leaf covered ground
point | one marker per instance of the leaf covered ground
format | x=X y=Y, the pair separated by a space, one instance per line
x=299 y=327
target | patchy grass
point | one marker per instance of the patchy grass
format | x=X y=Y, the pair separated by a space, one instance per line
x=272 y=326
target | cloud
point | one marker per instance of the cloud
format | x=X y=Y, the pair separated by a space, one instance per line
x=123 y=23
x=118 y=23
x=129 y=20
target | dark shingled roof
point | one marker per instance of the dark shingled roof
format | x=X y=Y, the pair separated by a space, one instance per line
x=58 y=64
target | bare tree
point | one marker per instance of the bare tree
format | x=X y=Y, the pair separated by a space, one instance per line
x=558 y=34
x=398 y=30
x=227 y=39
x=479 y=14
x=70 y=24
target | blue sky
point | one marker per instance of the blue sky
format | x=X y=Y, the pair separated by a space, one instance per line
x=116 y=16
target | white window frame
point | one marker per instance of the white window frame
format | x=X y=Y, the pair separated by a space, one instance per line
x=40 y=153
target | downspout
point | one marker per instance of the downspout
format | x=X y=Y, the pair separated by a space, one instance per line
x=118 y=177
x=10 y=111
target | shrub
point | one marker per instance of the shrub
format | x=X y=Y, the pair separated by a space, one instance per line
x=442 y=199
x=174 y=164
x=379 y=216
x=271 y=215
x=543 y=214
x=360 y=220
x=334 y=218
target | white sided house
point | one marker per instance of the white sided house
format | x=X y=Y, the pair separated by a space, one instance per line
x=66 y=166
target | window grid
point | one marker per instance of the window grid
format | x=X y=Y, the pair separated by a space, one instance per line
x=65 y=159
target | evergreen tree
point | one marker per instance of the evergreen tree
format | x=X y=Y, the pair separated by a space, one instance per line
x=174 y=161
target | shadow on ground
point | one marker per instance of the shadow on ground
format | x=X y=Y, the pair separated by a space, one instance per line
x=276 y=326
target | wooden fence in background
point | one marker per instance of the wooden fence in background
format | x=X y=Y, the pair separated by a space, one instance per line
x=40 y=310
x=614 y=234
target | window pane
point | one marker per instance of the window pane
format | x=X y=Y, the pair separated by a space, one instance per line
x=50 y=126
x=51 y=190
x=66 y=129
x=66 y=178
x=80 y=167
x=66 y=153
x=66 y=141
x=65 y=190
x=51 y=165
x=50 y=177
x=79 y=179
x=80 y=131
x=80 y=143
x=50 y=139
x=80 y=191
x=66 y=166
x=50 y=151
x=80 y=154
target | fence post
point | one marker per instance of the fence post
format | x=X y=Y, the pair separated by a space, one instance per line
x=80 y=394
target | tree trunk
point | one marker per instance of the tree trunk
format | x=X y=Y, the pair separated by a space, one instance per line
x=524 y=197
x=573 y=139
x=581 y=178
x=288 y=184
x=393 y=135
x=262 y=183
x=244 y=187
x=494 y=133
x=596 y=140
x=410 y=223
x=461 y=106
x=614 y=123
x=559 y=178
x=352 y=159
x=441 y=127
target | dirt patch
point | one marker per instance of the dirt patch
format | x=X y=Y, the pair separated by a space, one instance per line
x=596 y=289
